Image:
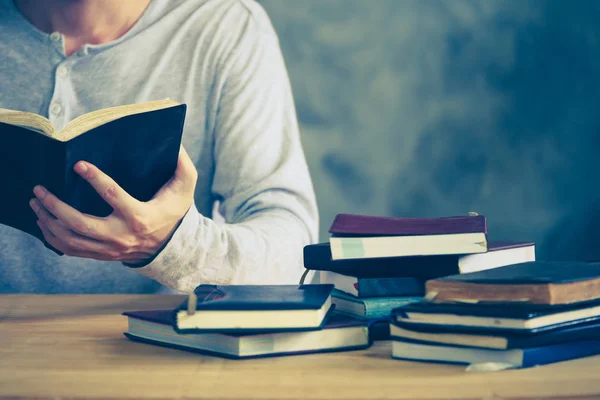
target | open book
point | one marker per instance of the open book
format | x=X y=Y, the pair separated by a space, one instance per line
x=137 y=145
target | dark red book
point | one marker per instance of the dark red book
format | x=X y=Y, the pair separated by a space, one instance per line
x=365 y=225
x=362 y=236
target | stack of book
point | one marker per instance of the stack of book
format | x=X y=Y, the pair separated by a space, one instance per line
x=515 y=316
x=377 y=264
x=251 y=321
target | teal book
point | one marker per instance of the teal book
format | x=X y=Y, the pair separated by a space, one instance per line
x=368 y=308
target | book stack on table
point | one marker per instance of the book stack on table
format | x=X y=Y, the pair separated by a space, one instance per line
x=516 y=316
x=247 y=321
x=377 y=264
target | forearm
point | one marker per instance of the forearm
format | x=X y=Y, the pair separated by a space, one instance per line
x=266 y=248
x=261 y=178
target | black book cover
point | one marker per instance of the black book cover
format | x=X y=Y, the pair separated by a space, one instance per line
x=379 y=329
x=175 y=346
x=522 y=311
x=165 y=317
x=260 y=297
x=318 y=257
x=534 y=272
x=389 y=287
x=138 y=151
x=590 y=312
x=522 y=339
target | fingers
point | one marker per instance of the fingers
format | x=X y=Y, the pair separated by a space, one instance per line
x=53 y=225
x=46 y=203
x=107 y=188
x=66 y=240
x=186 y=172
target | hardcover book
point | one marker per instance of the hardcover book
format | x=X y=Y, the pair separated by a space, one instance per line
x=363 y=287
x=231 y=308
x=361 y=236
x=500 y=253
x=137 y=145
x=538 y=282
x=370 y=308
x=520 y=317
x=339 y=333
x=517 y=358
x=379 y=329
x=499 y=340
x=366 y=225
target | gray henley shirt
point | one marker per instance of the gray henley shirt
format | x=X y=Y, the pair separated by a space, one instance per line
x=220 y=57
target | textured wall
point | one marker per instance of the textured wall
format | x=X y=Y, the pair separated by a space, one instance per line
x=433 y=108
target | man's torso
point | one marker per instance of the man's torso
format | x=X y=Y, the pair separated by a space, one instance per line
x=178 y=49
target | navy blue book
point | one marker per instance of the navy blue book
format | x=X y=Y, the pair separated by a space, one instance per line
x=521 y=317
x=379 y=329
x=365 y=287
x=318 y=257
x=231 y=308
x=339 y=333
x=517 y=358
x=495 y=340
x=137 y=145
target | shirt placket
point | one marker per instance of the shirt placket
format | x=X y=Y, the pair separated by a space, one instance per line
x=58 y=108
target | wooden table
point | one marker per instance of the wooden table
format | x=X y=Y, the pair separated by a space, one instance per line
x=73 y=347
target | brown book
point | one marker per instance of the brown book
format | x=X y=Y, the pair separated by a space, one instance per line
x=537 y=282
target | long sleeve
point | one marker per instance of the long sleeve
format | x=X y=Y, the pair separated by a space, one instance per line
x=261 y=178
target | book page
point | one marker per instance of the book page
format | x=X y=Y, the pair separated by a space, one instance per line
x=94 y=119
x=27 y=120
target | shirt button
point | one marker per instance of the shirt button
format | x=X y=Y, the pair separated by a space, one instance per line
x=55 y=108
x=62 y=71
x=55 y=36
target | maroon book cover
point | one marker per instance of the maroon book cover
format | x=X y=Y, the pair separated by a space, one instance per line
x=356 y=225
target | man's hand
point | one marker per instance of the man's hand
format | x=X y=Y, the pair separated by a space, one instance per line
x=135 y=231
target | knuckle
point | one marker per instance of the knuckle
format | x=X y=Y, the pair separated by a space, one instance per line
x=49 y=238
x=82 y=227
x=113 y=255
x=126 y=243
x=91 y=174
x=71 y=242
x=44 y=217
x=139 y=225
x=49 y=203
x=110 y=192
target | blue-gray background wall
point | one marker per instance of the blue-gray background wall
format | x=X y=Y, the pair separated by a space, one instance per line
x=429 y=108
